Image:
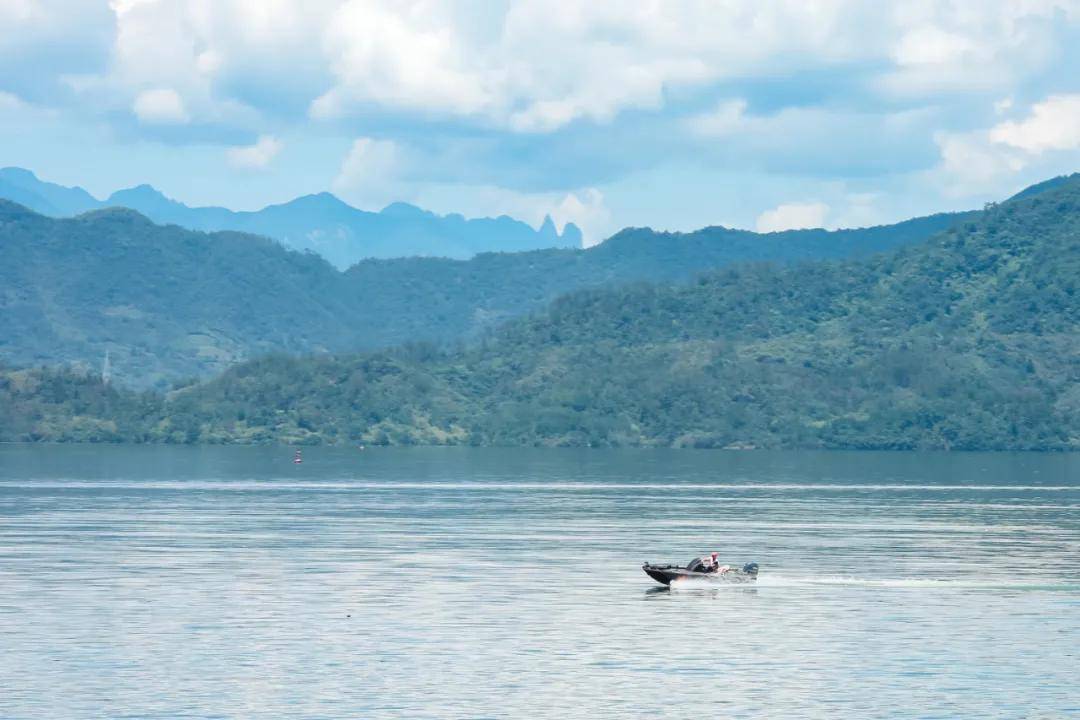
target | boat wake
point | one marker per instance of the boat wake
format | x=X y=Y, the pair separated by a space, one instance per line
x=772 y=580
x=782 y=581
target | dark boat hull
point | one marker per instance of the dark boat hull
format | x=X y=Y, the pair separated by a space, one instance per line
x=665 y=574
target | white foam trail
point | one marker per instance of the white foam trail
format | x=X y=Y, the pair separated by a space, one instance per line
x=773 y=580
x=692 y=583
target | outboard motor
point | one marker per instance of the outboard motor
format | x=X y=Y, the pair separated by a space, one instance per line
x=750 y=568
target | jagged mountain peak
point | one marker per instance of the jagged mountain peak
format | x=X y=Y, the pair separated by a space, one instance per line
x=547 y=228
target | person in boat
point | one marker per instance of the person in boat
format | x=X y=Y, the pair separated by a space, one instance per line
x=711 y=564
x=707 y=564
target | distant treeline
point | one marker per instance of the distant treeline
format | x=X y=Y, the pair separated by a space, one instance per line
x=970 y=340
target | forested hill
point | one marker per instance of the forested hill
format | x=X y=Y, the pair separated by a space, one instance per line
x=163 y=302
x=168 y=303
x=968 y=341
x=971 y=340
x=431 y=299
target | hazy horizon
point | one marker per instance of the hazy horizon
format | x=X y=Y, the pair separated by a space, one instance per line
x=257 y=206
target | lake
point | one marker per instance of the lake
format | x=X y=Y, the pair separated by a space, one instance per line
x=158 y=582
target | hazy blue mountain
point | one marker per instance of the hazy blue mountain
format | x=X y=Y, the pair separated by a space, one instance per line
x=27 y=198
x=344 y=235
x=23 y=187
x=321 y=223
x=163 y=210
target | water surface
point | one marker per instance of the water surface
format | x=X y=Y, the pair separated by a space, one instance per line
x=442 y=583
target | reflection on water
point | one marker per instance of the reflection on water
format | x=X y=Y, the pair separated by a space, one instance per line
x=228 y=582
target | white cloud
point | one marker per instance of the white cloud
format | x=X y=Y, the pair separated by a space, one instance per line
x=992 y=161
x=407 y=55
x=208 y=62
x=10 y=102
x=160 y=106
x=726 y=118
x=229 y=61
x=123 y=7
x=156 y=45
x=929 y=45
x=13 y=11
x=369 y=174
x=544 y=116
x=257 y=156
x=17 y=112
x=793 y=216
x=973 y=165
x=540 y=67
x=972 y=47
x=1053 y=124
x=587 y=210
x=861 y=211
x=536 y=65
x=593 y=61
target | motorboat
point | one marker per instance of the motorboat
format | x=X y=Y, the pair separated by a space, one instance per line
x=697 y=569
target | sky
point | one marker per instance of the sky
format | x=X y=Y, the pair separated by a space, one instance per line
x=673 y=114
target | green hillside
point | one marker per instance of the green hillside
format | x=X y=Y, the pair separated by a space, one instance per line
x=63 y=405
x=967 y=341
x=164 y=302
x=168 y=303
x=439 y=300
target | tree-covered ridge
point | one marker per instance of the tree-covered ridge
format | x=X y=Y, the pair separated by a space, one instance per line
x=967 y=341
x=440 y=300
x=168 y=303
x=164 y=302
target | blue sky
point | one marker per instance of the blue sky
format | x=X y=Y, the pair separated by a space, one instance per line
x=673 y=114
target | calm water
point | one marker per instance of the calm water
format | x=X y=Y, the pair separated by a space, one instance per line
x=453 y=583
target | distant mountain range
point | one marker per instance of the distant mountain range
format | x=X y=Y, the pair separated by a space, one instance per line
x=966 y=340
x=169 y=303
x=320 y=223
